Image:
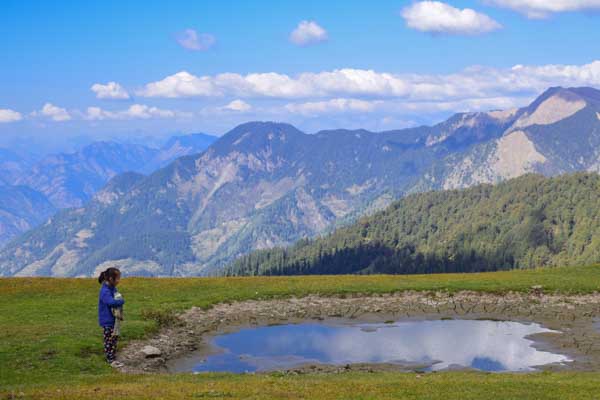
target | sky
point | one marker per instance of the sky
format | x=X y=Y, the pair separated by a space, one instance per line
x=155 y=68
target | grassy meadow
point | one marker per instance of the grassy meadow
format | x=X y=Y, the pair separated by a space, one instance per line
x=50 y=344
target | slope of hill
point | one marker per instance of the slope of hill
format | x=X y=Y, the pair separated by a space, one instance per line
x=21 y=209
x=526 y=222
x=12 y=166
x=266 y=184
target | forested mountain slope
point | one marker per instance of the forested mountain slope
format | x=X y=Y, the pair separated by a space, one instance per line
x=526 y=222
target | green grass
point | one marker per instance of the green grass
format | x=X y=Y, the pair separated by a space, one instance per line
x=50 y=341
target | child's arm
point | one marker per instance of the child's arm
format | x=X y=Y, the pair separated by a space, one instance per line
x=109 y=300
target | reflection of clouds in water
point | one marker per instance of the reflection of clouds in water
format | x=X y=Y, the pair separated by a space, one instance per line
x=452 y=342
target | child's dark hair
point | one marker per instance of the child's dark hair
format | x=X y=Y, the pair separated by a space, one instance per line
x=110 y=273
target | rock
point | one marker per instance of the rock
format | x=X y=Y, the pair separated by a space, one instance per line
x=537 y=290
x=151 y=351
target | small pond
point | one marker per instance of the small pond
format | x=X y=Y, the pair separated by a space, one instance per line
x=431 y=344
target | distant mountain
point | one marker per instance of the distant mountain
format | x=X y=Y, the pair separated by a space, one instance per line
x=179 y=146
x=268 y=184
x=70 y=180
x=21 y=209
x=12 y=166
x=526 y=222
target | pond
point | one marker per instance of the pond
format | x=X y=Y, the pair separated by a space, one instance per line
x=431 y=344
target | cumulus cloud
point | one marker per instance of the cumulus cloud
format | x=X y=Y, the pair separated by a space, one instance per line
x=53 y=112
x=192 y=40
x=271 y=84
x=238 y=105
x=307 y=33
x=471 y=83
x=181 y=84
x=112 y=90
x=332 y=106
x=543 y=8
x=136 y=111
x=7 y=115
x=442 y=18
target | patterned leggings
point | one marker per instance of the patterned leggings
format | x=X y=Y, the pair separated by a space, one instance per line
x=110 y=343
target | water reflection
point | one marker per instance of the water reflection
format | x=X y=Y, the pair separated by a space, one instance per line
x=484 y=345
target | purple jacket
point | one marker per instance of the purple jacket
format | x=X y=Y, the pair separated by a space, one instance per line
x=106 y=300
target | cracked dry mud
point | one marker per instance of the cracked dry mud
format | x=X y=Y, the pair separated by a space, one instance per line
x=574 y=316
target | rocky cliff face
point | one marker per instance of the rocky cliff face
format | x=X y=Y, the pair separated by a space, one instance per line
x=558 y=133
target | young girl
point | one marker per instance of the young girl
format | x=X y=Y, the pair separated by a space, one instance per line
x=109 y=280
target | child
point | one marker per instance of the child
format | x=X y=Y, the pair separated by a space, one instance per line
x=108 y=299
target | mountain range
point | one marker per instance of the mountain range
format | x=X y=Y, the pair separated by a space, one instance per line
x=267 y=184
x=68 y=180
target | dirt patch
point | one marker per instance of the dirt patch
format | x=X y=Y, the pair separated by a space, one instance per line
x=574 y=316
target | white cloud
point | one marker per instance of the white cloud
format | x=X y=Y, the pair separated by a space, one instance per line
x=7 y=115
x=53 y=112
x=307 y=33
x=543 y=8
x=181 y=84
x=271 y=84
x=112 y=90
x=471 y=83
x=332 y=106
x=145 y=112
x=192 y=40
x=438 y=17
x=238 y=105
x=136 y=111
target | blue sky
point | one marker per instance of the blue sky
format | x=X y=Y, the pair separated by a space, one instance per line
x=378 y=65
